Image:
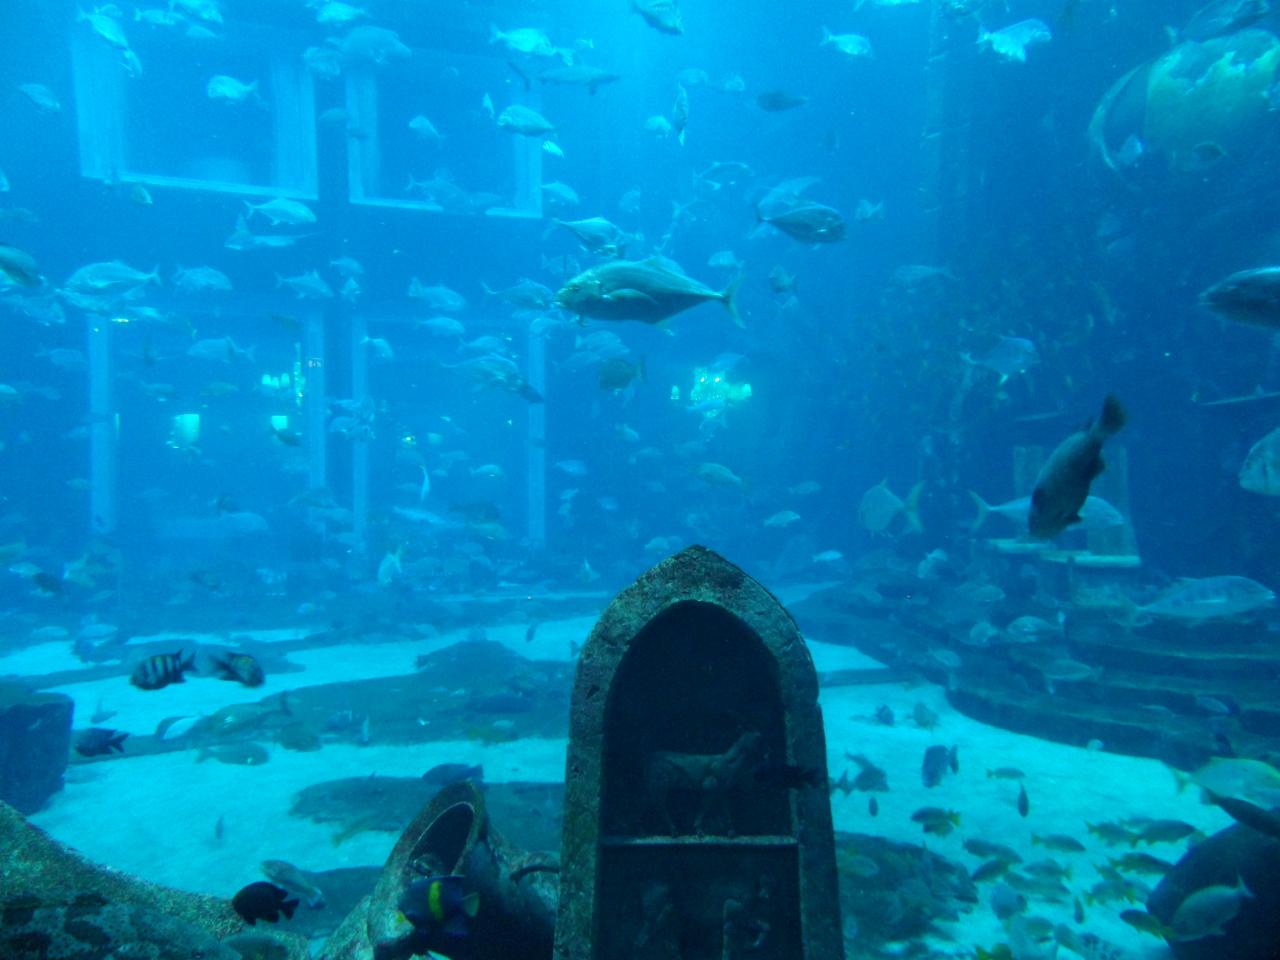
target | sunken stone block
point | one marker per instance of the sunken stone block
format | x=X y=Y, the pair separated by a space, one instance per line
x=697 y=821
x=35 y=738
x=1236 y=853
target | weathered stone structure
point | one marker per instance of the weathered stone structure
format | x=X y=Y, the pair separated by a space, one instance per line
x=697 y=818
x=35 y=738
x=453 y=836
x=59 y=904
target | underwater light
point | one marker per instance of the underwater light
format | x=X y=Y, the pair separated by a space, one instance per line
x=184 y=431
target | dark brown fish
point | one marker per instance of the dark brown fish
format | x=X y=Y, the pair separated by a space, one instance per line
x=937 y=760
x=100 y=741
x=1063 y=484
x=263 y=901
x=240 y=667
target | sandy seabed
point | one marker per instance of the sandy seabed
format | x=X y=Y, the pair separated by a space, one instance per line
x=154 y=816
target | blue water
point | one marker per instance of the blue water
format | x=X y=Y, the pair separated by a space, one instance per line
x=854 y=384
x=984 y=169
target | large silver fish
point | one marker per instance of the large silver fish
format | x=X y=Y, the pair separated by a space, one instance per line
x=1250 y=296
x=1063 y=484
x=649 y=290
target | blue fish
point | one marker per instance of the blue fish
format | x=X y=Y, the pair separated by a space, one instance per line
x=438 y=904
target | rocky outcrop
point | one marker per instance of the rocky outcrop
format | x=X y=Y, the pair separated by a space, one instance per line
x=53 y=902
x=1230 y=856
x=35 y=739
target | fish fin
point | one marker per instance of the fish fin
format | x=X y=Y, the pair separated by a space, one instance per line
x=658 y=261
x=727 y=297
x=911 y=508
x=1112 y=418
x=471 y=904
x=983 y=509
x=287 y=907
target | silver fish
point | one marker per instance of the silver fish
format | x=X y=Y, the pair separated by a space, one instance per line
x=649 y=290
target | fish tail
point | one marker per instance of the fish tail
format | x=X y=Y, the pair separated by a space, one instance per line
x=1113 y=416
x=495 y=35
x=911 y=508
x=471 y=904
x=727 y=297
x=980 y=517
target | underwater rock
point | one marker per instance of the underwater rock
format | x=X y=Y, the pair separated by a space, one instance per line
x=453 y=836
x=1236 y=853
x=55 y=903
x=35 y=739
x=88 y=926
x=530 y=812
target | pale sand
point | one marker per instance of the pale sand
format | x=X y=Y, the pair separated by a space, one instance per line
x=154 y=816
